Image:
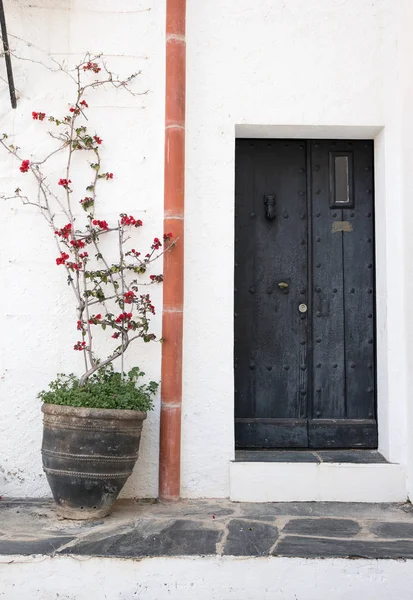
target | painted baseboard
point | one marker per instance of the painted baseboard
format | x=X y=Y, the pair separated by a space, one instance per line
x=325 y=482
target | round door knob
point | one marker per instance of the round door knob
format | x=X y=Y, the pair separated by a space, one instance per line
x=302 y=308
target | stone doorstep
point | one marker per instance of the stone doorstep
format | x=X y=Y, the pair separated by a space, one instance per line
x=314 y=480
x=311 y=456
x=138 y=529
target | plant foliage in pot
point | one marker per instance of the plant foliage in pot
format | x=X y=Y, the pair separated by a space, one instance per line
x=92 y=421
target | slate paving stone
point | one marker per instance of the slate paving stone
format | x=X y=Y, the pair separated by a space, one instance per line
x=246 y=538
x=202 y=509
x=309 y=456
x=275 y=456
x=323 y=527
x=351 y=456
x=393 y=530
x=310 y=547
x=36 y=546
x=261 y=512
x=139 y=529
x=181 y=538
x=356 y=510
x=190 y=509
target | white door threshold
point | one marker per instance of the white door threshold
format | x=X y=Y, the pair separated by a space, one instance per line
x=324 y=482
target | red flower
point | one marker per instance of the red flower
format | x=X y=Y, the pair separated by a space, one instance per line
x=77 y=243
x=74 y=266
x=91 y=66
x=79 y=346
x=84 y=103
x=128 y=297
x=79 y=325
x=38 y=116
x=157 y=278
x=65 y=231
x=83 y=255
x=125 y=220
x=167 y=237
x=101 y=224
x=24 y=167
x=62 y=258
x=147 y=303
x=116 y=335
x=97 y=139
x=156 y=244
x=108 y=175
x=75 y=111
x=94 y=319
x=64 y=183
x=123 y=317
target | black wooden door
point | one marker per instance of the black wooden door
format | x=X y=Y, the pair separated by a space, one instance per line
x=304 y=295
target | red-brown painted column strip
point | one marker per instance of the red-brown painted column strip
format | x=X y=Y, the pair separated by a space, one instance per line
x=173 y=288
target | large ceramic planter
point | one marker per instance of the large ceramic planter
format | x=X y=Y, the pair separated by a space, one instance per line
x=88 y=454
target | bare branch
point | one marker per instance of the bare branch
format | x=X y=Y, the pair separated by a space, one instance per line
x=90 y=286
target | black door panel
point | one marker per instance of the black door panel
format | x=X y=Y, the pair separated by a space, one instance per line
x=304 y=294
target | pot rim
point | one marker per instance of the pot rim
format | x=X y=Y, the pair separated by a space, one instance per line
x=122 y=414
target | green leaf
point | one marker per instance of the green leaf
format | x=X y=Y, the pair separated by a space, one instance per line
x=106 y=388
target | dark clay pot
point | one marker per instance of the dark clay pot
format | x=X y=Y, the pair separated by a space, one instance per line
x=88 y=454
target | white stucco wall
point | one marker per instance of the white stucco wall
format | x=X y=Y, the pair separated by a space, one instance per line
x=37 y=317
x=282 y=69
x=268 y=68
x=406 y=70
x=229 y=578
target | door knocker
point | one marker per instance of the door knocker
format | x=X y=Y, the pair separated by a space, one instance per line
x=269 y=201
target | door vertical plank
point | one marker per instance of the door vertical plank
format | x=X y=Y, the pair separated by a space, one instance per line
x=281 y=259
x=328 y=301
x=244 y=267
x=359 y=287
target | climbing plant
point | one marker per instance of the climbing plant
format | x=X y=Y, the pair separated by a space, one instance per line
x=112 y=295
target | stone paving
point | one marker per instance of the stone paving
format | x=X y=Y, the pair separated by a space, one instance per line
x=310 y=456
x=138 y=529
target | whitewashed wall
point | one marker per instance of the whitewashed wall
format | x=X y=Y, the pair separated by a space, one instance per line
x=283 y=68
x=268 y=68
x=37 y=317
x=406 y=112
x=207 y=578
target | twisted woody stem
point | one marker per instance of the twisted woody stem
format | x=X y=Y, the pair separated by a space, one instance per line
x=90 y=286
